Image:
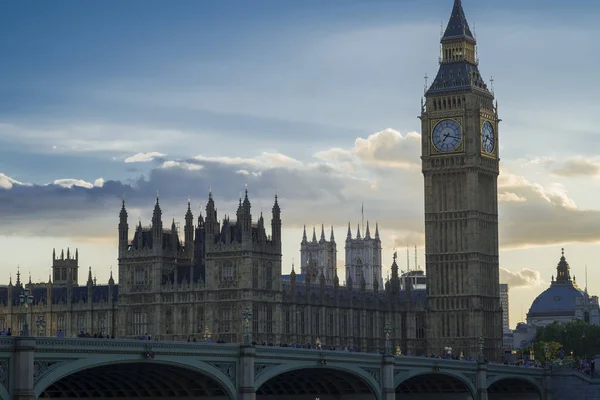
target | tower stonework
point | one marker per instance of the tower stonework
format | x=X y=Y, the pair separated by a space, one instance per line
x=65 y=271
x=363 y=258
x=460 y=165
x=319 y=257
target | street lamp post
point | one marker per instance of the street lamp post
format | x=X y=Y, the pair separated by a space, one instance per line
x=206 y=335
x=40 y=324
x=26 y=300
x=387 y=330
x=448 y=351
x=247 y=317
x=481 y=345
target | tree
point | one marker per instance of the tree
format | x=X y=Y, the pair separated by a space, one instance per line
x=576 y=337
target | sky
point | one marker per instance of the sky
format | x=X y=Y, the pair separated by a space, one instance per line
x=315 y=101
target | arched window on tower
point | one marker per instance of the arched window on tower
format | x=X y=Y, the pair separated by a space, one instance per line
x=228 y=271
x=359 y=271
x=312 y=269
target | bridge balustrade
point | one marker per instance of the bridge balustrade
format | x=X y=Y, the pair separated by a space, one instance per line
x=118 y=369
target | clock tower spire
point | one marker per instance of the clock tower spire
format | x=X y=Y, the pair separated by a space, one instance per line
x=460 y=166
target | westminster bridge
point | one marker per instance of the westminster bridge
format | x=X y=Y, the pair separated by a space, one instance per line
x=74 y=368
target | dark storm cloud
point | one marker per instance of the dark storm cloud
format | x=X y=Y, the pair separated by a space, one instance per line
x=22 y=205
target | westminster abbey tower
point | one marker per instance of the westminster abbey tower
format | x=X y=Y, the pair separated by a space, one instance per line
x=460 y=166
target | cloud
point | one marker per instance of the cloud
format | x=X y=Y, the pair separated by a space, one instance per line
x=408 y=239
x=261 y=162
x=182 y=165
x=84 y=138
x=389 y=148
x=69 y=183
x=577 y=166
x=7 y=182
x=572 y=167
x=385 y=149
x=523 y=278
x=541 y=215
x=144 y=157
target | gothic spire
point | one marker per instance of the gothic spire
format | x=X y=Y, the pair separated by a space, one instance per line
x=358 y=232
x=123 y=213
x=458 y=62
x=458 y=27
x=90 y=280
x=188 y=213
x=349 y=235
x=304 y=239
x=332 y=239
x=376 y=230
x=322 y=233
x=314 y=238
x=157 y=212
x=367 y=233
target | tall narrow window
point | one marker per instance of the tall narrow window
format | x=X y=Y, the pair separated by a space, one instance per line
x=269 y=322
x=269 y=276
x=184 y=321
x=288 y=321
x=140 y=276
x=359 y=271
x=102 y=324
x=356 y=323
x=169 y=321
x=302 y=321
x=140 y=323
x=255 y=322
x=226 y=320
x=255 y=275
x=81 y=324
x=228 y=271
x=60 y=323
x=200 y=320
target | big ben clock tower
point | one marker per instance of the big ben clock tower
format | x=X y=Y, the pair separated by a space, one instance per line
x=460 y=166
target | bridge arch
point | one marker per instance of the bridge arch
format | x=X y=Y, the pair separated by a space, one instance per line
x=305 y=377
x=513 y=384
x=443 y=381
x=113 y=366
x=4 y=393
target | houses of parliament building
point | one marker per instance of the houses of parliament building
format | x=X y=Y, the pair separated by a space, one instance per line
x=198 y=286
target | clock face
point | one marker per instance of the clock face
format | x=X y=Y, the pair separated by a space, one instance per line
x=488 y=137
x=447 y=136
